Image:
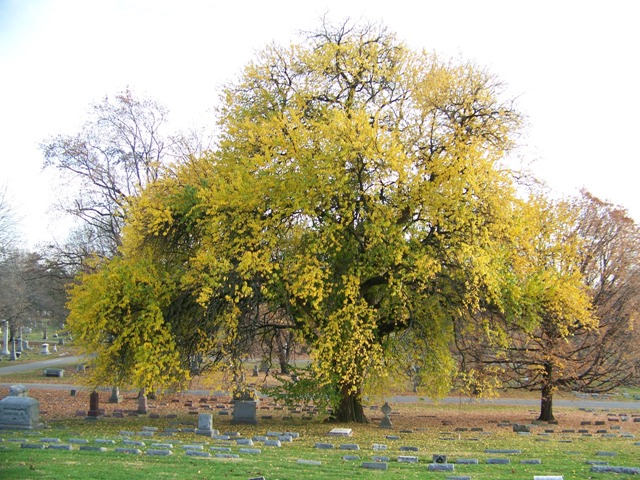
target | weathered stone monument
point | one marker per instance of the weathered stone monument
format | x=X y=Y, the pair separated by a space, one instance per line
x=244 y=407
x=18 y=411
x=94 y=406
x=5 y=332
x=45 y=349
x=386 y=421
x=142 y=404
x=205 y=425
x=115 y=395
x=14 y=355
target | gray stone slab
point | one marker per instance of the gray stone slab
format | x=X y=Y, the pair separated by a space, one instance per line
x=375 y=465
x=302 y=461
x=133 y=443
x=350 y=458
x=59 y=446
x=227 y=455
x=341 y=432
x=503 y=451
x=407 y=459
x=160 y=452
x=441 y=467
x=532 y=461
x=193 y=447
x=130 y=451
x=380 y=458
x=456 y=477
x=197 y=453
x=78 y=441
x=548 y=477
x=162 y=445
x=498 y=461
x=91 y=448
x=220 y=449
x=324 y=446
x=244 y=441
x=613 y=469
x=606 y=454
x=272 y=443
x=378 y=447
x=407 y=448
x=250 y=451
x=50 y=440
x=597 y=462
x=349 y=446
x=34 y=446
x=392 y=437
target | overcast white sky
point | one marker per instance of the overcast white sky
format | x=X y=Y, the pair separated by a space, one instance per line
x=574 y=66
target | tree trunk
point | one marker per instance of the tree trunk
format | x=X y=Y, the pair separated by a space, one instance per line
x=546 y=405
x=546 y=400
x=284 y=351
x=350 y=407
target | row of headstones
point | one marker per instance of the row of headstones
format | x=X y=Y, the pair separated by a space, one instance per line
x=271 y=439
x=379 y=462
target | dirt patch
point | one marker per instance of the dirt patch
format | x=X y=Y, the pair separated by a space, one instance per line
x=58 y=405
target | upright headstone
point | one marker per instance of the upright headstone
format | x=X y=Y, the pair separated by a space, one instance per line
x=45 y=349
x=386 y=421
x=13 y=355
x=205 y=425
x=115 y=395
x=18 y=411
x=244 y=411
x=5 y=331
x=19 y=347
x=94 y=406
x=142 y=404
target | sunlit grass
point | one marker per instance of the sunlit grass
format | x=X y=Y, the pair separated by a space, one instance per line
x=435 y=429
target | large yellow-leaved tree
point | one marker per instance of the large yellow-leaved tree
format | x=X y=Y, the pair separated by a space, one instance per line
x=356 y=197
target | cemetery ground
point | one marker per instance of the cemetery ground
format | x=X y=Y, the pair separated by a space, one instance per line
x=479 y=440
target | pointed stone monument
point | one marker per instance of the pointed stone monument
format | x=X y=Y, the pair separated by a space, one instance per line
x=386 y=421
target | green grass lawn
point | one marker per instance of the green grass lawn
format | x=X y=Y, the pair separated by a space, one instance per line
x=560 y=453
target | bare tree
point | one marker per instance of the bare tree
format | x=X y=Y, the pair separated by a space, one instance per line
x=7 y=223
x=119 y=150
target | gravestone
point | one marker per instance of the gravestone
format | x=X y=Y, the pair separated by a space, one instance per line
x=14 y=354
x=115 y=395
x=44 y=349
x=18 y=411
x=5 y=332
x=94 y=406
x=142 y=404
x=244 y=411
x=205 y=425
x=386 y=421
